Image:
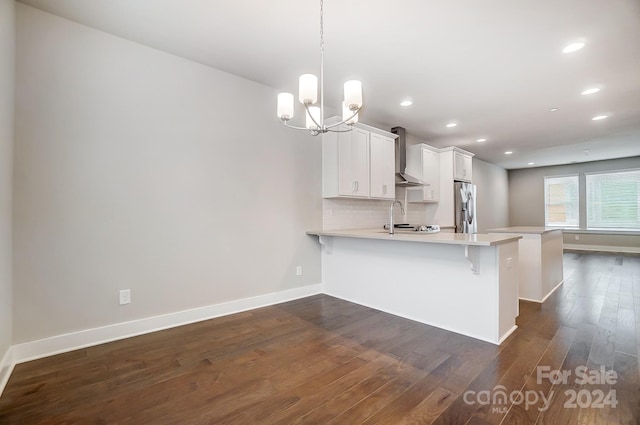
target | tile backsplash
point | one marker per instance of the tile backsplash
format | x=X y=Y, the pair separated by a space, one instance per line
x=346 y=213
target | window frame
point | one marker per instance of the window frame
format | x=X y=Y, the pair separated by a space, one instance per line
x=587 y=204
x=576 y=210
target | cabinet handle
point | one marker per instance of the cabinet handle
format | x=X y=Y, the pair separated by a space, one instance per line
x=384 y=189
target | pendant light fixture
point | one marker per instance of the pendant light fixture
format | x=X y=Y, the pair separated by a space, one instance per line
x=308 y=96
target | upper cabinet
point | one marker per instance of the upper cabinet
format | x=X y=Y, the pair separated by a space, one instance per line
x=455 y=165
x=462 y=165
x=358 y=164
x=353 y=163
x=423 y=162
x=382 y=164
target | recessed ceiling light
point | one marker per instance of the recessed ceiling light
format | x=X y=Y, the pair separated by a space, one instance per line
x=590 y=91
x=451 y=124
x=573 y=47
x=530 y=163
x=600 y=117
x=553 y=109
x=481 y=140
x=508 y=153
x=406 y=103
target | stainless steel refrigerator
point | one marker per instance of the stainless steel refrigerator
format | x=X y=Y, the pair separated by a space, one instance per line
x=465 y=207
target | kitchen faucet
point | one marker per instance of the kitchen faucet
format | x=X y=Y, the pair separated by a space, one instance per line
x=391 y=215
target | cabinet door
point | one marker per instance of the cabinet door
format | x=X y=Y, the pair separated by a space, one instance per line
x=468 y=170
x=353 y=163
x=360 y=164
x=431 y=175
x=461 y=167
x=345 y=170
x=382 y=166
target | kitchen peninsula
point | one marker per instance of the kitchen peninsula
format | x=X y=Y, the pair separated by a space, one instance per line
x=465 y=283
x=540 y=260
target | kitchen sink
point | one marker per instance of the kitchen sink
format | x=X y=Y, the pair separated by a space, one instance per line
x=420 y=229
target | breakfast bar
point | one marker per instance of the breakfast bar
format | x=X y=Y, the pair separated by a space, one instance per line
x=465 y=283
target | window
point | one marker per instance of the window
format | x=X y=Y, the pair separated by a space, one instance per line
x=561 y=201
x=613 y=200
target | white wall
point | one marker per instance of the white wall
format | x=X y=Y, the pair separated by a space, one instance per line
x=137 y=169
x=493 y=195
x=7 y=54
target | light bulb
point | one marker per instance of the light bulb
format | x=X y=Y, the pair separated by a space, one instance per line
x=285 y=106
x=353 y=94
x=308 y=89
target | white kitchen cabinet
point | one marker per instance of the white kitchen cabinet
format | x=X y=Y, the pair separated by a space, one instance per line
x=462 y=166
x=382 y=166
x=353 y=163
x=358 y=164
x=449 y=172
x=423 y=162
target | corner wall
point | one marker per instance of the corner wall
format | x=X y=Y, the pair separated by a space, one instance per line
x=493 y=195
x=136 y=169
x=7 y=66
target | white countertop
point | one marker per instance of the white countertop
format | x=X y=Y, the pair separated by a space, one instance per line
x=525 y=229
x=478 y=239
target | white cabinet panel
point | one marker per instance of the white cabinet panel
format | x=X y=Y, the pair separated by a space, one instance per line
x=358 y=164
x=424 y=163
x=462 y=166
x=382 y=166
x=353 y=163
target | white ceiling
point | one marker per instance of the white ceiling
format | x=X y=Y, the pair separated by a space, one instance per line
x=494 y=67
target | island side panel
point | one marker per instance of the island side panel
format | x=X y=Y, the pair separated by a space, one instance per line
x=530 y=267
x=509 y=269
x=552 y=273
x=429 y=283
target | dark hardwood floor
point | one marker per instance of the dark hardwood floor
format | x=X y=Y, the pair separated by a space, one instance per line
x=321 y=360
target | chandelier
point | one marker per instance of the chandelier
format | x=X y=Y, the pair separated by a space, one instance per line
x=308 y=96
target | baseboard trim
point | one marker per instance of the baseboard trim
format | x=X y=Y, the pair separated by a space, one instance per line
x=508 y=334
x=531 y=300
x=603 y=248
x=6 y=367
x=58 y=344
x=553 y=290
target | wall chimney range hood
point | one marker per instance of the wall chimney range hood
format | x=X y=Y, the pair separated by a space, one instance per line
x=402 y=178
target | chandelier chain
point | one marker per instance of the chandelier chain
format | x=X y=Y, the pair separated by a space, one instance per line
x=315 y=114
x=322 y=25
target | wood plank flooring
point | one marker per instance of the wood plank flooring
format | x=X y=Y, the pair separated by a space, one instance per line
x=321 y=360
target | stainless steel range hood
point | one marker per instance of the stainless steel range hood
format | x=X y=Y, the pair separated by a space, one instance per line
x=402 y=178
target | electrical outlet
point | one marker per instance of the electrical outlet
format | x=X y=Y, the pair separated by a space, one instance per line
x=125 y=296
x=299 y=271
x=509 y=262
x=577 y=237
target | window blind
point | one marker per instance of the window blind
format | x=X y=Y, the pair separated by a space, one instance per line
x=613 y=200
x=561 y=201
